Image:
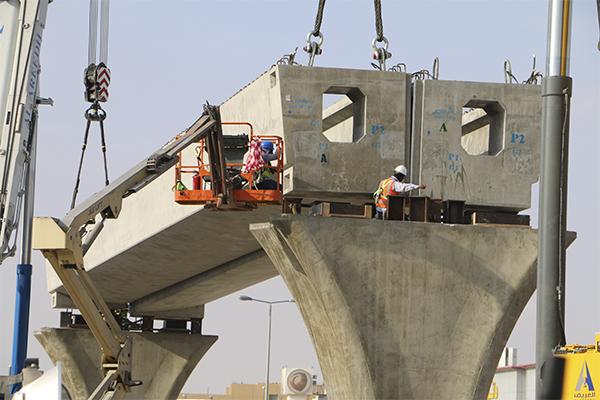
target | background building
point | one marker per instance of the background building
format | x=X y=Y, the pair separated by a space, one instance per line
x=297 y=384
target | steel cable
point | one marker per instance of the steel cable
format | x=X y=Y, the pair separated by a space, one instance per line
x=94 y=113
x=378 y=21
x=598 y=6
x=78 y=180
x=319 y=18
x=106 y=182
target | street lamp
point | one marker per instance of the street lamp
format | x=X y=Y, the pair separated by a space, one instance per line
x=270 y=303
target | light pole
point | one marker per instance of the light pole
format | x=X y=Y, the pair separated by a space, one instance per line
x=270 y=303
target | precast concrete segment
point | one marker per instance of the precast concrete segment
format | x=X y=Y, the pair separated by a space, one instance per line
x=162 y=361
x=346 y=159
x=401 y=310
x=497 y=162
x=156 y=243
x=208 y=286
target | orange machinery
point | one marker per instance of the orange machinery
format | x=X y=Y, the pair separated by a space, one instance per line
x=203 y=190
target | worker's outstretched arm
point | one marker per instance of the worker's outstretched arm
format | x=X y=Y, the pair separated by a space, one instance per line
x=401 y=187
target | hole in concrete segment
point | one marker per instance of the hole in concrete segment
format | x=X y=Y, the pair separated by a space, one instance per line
x=483 y=128
x=343 y=114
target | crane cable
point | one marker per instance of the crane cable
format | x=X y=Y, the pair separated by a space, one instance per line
x=96 y=81
x=598 y=7
x=378 y=21
x=380 y=54
x=314 y=47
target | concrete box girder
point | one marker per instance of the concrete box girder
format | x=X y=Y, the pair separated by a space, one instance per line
x=160 y=256
x=501 y=179
x=287 y=101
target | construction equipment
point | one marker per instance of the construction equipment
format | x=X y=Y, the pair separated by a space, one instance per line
x=64 y=242
x=581 y=370
x=21 y=27
x=205 y=189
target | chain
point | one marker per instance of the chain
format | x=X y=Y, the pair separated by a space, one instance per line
x=314 y=48
x=380 y=54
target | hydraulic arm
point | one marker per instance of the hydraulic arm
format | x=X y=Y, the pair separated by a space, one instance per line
x=64 y=243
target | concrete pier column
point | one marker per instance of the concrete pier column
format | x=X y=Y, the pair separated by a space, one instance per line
x=401 y=310
x=162 y=361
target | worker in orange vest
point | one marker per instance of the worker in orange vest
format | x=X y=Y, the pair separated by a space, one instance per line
x=392 y=186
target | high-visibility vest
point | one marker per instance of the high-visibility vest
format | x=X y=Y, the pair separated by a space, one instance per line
x=264 y=174
x=385 y=189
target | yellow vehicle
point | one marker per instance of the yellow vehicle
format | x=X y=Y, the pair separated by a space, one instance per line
x=581 y=370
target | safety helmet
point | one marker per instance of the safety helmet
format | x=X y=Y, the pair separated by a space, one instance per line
x=267 y=146
x=401 y=169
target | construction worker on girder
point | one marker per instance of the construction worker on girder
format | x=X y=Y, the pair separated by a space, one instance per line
x=392 y=186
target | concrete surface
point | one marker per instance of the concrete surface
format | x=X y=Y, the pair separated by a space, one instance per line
x=401 y=310
x=501 y=179
x=162 y=361
x=287 y=101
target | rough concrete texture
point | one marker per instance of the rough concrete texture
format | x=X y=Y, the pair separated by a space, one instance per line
x=401 y=310
x=162 y=361
x=287 y=101
x=503 y=175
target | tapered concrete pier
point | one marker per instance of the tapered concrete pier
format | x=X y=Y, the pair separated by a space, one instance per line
x=162 y=361
x=404 y=310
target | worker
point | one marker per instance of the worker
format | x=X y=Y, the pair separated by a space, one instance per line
x=264 y=178
x=392 y=186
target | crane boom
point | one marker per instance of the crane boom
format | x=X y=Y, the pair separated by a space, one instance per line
x=21 y=26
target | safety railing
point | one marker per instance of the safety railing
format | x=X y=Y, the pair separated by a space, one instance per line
x=244 y=184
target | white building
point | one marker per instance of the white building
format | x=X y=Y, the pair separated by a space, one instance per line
x=513 y=381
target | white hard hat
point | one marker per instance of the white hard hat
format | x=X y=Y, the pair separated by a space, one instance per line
x=401 y=169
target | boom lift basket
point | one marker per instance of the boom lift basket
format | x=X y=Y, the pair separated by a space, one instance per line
x=193 y=183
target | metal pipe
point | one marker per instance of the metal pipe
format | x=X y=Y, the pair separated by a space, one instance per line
x=104 y=18
x=29 y=199
x=268 y=354
x=556 y=92
x=559 y=37
x=24 y=269
x=270 y=303
x=93 y=32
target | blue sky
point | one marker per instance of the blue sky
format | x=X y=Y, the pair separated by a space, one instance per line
x=169 y=57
